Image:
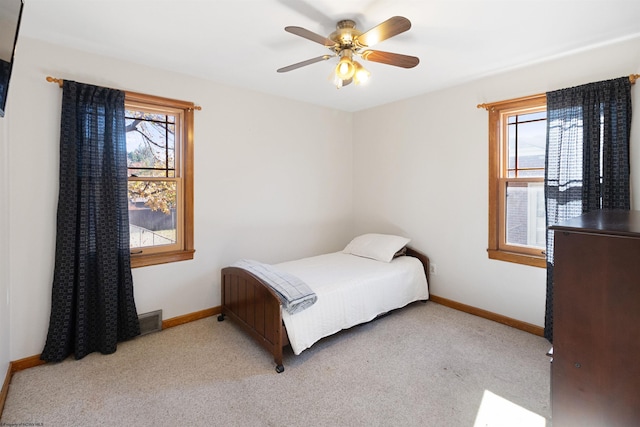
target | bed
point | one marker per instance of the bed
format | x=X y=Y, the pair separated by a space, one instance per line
x=374 y=274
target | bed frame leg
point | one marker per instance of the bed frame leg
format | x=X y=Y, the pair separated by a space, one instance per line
x=279 y=369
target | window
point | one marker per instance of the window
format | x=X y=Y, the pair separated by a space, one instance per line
x=159 y=135
x=517 y=141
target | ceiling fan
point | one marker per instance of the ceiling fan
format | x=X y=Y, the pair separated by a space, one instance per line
x=346 y=42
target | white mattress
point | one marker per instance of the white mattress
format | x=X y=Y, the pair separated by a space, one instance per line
x=351 y=290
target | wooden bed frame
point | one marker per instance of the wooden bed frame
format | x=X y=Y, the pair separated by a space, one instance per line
x=256 y=307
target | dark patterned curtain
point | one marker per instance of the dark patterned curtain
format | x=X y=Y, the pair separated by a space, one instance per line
x=92 y=305
x=587 y=158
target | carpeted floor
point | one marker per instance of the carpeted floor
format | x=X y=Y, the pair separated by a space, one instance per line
x=424 y=365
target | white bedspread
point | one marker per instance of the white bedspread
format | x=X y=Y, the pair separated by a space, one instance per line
x=350 y=290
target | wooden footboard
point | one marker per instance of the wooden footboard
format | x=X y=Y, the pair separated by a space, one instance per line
x=256 y=308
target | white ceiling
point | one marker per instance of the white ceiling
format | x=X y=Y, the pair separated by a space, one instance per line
x=242 y=42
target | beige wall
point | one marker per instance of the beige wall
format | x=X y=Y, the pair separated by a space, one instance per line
x=277 y=179
x=273 y=181
x=420 y=168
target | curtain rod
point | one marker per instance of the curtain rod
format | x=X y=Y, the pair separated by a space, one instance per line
x=632 y=78
x=188 y=105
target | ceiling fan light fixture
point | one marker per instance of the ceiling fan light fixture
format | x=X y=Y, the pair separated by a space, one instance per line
x=345 y=34
x=345 y=68
x=338 y=82
x=335 y=80
x=361 y=74
x=347 y=41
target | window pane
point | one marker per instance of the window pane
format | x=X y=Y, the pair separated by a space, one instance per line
x=151 y=173
x=532 y=140
x=152 y=213
x=525 y=216
x=541 y=115
x=530 y=173
x=511 y=159
x=159 y=117
x=525 y=143
x=150 y=144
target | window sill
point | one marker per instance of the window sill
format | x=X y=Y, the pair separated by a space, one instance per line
x=534 y=261
x=161 y=258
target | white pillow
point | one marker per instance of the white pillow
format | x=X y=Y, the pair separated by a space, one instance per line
x=381 y=247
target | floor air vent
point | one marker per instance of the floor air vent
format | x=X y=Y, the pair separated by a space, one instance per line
x=150 y=322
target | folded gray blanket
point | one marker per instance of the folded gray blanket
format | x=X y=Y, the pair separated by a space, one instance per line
x=295 y=295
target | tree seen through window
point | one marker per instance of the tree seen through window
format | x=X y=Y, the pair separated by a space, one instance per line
x=153 y=189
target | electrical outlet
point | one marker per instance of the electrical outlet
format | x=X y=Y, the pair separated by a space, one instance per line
x=433 y=269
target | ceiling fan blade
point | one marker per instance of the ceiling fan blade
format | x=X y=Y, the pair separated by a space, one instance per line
x=396 y=59
x=389 y=28
x=303 y=63
x=310 y=35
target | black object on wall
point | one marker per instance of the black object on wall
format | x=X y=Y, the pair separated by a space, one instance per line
x=10 y=15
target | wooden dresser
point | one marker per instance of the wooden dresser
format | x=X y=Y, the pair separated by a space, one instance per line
x=595 y=373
